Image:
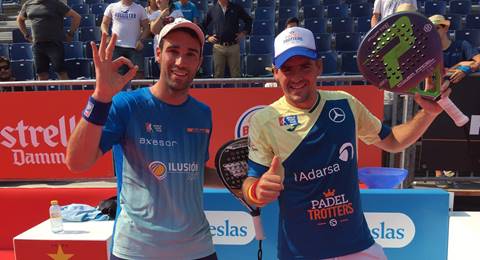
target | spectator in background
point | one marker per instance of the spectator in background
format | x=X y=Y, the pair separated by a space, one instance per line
x=225 y=17
x=166 y=14
x=48 y=34
x=292 y=22
x=189 y=10
x=5 y=73
x=384 y=8
x=459 y=56
x=151 y=8
x=130 y=23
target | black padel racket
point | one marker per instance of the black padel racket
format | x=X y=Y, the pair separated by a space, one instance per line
x=231 y=163
x=402 y=51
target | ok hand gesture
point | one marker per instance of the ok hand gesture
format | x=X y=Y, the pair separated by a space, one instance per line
x=108 y=80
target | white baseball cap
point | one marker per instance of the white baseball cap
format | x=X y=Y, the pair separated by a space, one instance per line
x=182 y=23
x=294 y=41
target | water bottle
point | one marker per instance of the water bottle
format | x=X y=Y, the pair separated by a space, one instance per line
x=56 y=220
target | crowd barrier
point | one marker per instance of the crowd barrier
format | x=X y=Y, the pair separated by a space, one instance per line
x=33 y=136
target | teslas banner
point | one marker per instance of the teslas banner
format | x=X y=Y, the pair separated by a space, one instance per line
x=35 y=127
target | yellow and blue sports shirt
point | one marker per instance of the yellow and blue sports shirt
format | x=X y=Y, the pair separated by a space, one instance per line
x=320 y=211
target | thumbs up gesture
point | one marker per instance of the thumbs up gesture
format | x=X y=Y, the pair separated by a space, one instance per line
x=271 y=183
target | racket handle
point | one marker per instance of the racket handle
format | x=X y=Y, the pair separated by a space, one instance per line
x=257 y=224
x=452 y=110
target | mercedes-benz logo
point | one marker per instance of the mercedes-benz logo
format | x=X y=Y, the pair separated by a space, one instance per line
x=336 y=115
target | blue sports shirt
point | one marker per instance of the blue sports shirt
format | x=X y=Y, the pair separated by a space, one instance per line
x=320 y=210
x=165 y=148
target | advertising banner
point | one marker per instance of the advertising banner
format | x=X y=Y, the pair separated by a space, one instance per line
x=35 y=127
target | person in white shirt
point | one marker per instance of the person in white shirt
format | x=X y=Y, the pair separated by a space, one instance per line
x=384 y=8
x=129 y=21
x=165 y=14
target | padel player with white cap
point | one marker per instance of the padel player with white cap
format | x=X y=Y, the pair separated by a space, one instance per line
x=164 y=134
x=303 y=152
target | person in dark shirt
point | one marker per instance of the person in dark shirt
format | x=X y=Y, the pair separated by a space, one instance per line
x=224 y=18
x=459 y=56
x=48 y=34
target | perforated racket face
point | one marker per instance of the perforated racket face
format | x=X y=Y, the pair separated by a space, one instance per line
x=400 y=52
x=231 y=163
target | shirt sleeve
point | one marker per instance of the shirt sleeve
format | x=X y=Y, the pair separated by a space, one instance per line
x=154 y=16
x=143 y=14
x=23 y=11
x=260 y=154
x=246 y=19
x=195 y=12
x=62 y=8
x=377 y=7
x=114 y=128
x=468 y=50
x=370 y=128
x=108 y=11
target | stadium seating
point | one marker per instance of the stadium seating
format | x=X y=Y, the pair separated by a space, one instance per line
x=4 y=50
x=323 y=41
x=263 y=27
x=364 y=23
x=79 y=68
x=89 y=34
x=17 y=36
x=337 y=26
x=337 y=10
x=21 y=51
x=87 y=20
x=81 y=8
x=349 y=63
x=310 y=2
x=347 y=41
x=73 y=50
x=462 y=7
x=287 y=12
x=342 y=24
x=316 y=25
x=288 y=3
x=265 y=13
x=435 y=7
x=361 y=9
x=313 y=11
x=256 y=65
x=261 y=44
x=75 y=2
x=266 y=3
x=472 y=21
x=471 y=35
x=455 y=21
x=22 y=70
x=148 y=50
x=98 y=9
x=330 y=66
x=207 y=66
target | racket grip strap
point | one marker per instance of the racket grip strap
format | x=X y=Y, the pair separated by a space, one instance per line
x=252 y=194
x=257 y=225
x=452 y=110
